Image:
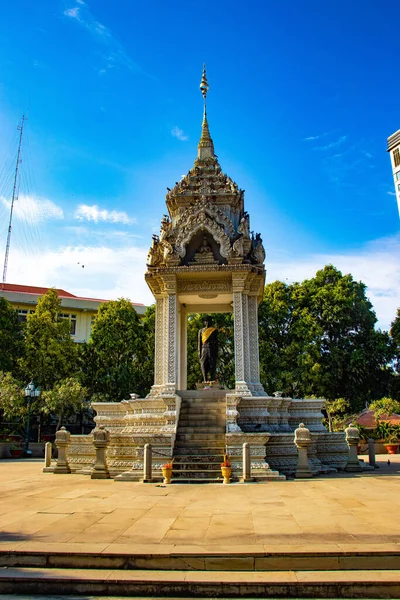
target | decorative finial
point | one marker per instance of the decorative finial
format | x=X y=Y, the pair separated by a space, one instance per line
x=204 y=84
x=206 y=146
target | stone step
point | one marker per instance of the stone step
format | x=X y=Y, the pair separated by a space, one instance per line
x=202 y=394
x=197 y=425
x=206 y=443
x=200 y=439
x=197 y=465
x=203 y=401
x=199 y=559
x=203 y=414
x=201 y=433
x=199 y=451
x=202 y=584
x=196 y=473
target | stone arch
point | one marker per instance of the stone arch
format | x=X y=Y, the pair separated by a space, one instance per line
x=195 y=224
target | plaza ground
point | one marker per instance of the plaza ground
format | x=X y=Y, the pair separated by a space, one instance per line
x=43 y=511
x=334 y=536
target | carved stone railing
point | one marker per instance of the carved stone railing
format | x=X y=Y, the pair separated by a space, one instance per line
x=260 y=469
x=308 y=411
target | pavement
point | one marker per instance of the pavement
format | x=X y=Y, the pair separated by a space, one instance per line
x=72 y=513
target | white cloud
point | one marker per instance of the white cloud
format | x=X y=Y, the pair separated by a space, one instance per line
x=179 y=134
x=34 y=210
x=72 y=12
x=392 y=193
x=94 y=213
x=116 y=54
x=334 y=144
x=104 y=275
x=314 y=137
x=377 y=264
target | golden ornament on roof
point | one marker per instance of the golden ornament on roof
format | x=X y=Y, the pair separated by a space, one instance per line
x=204 y=83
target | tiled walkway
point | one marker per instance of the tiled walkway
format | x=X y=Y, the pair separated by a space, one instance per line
x=73 y=513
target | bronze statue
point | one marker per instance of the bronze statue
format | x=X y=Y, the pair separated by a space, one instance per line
x=208 y=349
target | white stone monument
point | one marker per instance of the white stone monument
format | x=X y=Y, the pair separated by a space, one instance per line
x=207 y=260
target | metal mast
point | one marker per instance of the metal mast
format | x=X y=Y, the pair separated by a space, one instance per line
x=14 y=197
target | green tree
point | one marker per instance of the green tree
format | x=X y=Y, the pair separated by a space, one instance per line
x=353 y=356
x=112 y=351
x=66 y=399
x=11 y=337
x=143 y=363
x=12 y=397
x=395 y=337
x=287 y=351
x=318 y=337
x=50 y=352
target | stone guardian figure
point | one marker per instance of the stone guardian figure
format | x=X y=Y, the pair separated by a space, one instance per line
x=208 y=349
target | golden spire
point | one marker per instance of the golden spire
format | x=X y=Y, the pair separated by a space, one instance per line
x=206 y=146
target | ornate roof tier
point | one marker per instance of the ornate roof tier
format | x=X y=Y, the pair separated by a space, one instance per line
x=206 y=225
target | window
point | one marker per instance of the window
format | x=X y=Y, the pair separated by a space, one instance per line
x=72 y=319
x=398 y=186
x=397 y=176
x=396 y=157
x=22 y=314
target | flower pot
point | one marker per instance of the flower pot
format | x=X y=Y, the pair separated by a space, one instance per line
x=391 y=448
x=167 y=474
x=16 y=452
x=226 y=474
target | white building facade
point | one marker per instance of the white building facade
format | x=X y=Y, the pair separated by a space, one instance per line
x=394 y=150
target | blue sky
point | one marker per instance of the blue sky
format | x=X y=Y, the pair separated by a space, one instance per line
x=303 y=96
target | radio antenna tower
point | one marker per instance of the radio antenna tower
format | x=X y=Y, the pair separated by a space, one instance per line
x=14 y=197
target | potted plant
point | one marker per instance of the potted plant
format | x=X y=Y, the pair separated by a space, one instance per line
x=226 y=468
x=389 y=436
x=167 y=472
x=15 y=451
x=391 y=442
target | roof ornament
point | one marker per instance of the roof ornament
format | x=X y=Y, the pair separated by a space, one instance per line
x=206 y=146
x=204 y=87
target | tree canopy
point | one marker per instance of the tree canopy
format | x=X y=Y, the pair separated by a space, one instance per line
x=50 y=352
x=11 y=337
x=113 y=350
x=318 y=337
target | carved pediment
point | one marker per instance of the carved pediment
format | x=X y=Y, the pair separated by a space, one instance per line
x=202 y=222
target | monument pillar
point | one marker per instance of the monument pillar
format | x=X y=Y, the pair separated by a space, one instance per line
x=245 y=316
x=167 y=338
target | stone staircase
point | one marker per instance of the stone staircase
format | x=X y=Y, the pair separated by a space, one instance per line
x=194 y=573
x=200 y=440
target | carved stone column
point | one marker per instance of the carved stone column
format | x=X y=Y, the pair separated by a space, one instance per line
x=167 y=337
x=159 y=339
x=245 y=313
x=254 y=346
x=241 y=332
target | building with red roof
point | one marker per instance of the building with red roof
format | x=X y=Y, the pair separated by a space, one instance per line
x=79 y=310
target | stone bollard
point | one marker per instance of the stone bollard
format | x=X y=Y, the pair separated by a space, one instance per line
x=147 y=463
x=101 y=437
x=246 y=463
x=371 y=453
x=63 y=438
x=48 y=451
x=302 y=439
x=352 y=439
